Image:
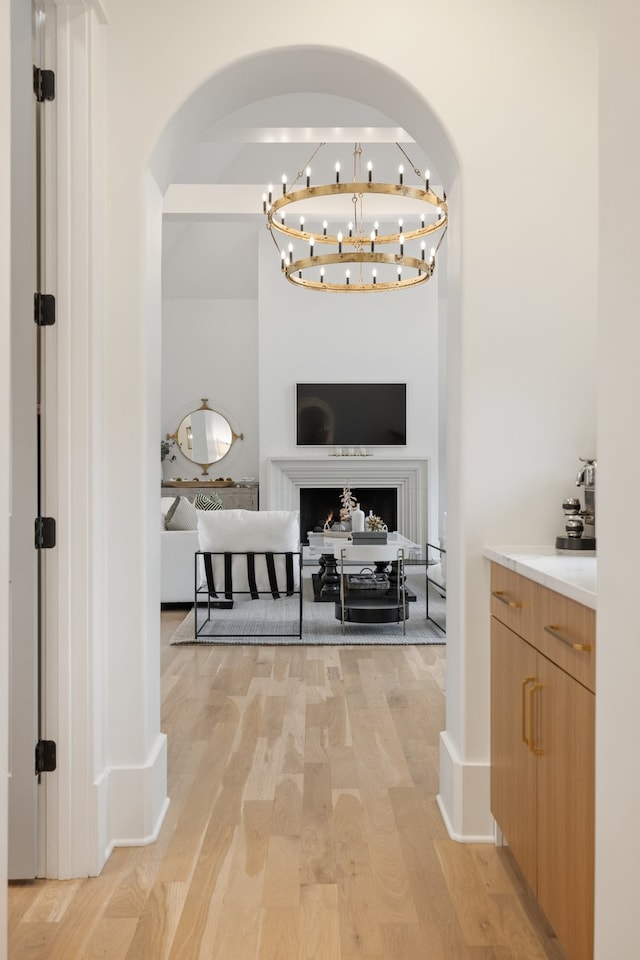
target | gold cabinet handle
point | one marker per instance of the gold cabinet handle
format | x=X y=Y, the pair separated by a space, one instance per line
x=532 y=742
x=554 y=631
x=525 y=683
x=502 y=597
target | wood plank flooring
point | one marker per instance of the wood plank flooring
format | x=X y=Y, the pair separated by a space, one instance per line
x=303 y=826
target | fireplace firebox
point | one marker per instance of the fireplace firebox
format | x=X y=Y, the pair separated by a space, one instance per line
x=317 y=504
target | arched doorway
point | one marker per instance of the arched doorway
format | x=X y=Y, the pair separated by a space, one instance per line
x=255 y=79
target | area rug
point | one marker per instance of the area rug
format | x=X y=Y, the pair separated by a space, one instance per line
x=319 y=623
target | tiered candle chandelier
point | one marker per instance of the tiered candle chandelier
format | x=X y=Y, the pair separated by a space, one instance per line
x=361 y=255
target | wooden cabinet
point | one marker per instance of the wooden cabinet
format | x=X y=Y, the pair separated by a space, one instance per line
x=542 y=747
x=233 y=497
x=565 y=714
x=513 y=766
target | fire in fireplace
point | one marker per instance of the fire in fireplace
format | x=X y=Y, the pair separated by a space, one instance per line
x=317 y=504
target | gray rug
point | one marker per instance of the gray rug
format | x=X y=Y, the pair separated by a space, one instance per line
x=319 y=623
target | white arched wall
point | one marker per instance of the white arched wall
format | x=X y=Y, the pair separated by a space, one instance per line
x=508 y=340
x=524 y=127
x=517 y=420
x=511 y=455
x=271 y=73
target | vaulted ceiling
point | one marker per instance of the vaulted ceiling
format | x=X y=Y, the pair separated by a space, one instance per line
x=213 y=209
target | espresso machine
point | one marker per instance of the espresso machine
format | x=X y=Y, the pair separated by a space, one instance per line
x=580 y=521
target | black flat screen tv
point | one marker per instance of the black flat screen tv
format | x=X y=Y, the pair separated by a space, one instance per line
x=351 y=414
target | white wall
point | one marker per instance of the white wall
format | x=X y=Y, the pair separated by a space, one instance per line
x=5 y=279
x=523 y=264
x=246 y=356
x=521 y=287
x=210 y=349
x=617 y=931
x=521 y=292
x=312 y=336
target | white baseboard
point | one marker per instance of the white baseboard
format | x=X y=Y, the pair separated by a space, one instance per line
x=133 y=802
x=464 y=796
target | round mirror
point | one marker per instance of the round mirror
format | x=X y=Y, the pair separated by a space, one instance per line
x=205 y=436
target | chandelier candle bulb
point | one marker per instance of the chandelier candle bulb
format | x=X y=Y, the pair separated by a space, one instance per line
x=422 y=249
x=374 y=276
x=270 y=193
x=375 y=227
x=311 y=247
x=321 y=274
x=399 y=226
x=324 y=228
x=426 y=181
x=284 y=184
x=301 y=223
x=264 y=203
x=308 y=176
x=373 y=241
x=340 y=242
x=370 y=169
x=347 y=276
x=401 y=174
x=350 y=229
x=337 y=173
x=290 y=253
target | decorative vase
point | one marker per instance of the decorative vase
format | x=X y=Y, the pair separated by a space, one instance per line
x=357 y=519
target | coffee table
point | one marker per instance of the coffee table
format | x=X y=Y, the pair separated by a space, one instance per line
x=320 y=543
x=390 y=606
x=326 y=581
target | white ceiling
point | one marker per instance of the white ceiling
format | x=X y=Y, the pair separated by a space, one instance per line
x=213 y=209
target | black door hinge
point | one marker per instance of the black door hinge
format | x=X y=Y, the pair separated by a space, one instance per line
x=44 y=309
x=44 y=84
x=45 y=756
x=45 y=533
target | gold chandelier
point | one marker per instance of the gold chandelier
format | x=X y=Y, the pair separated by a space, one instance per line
x=361 y=255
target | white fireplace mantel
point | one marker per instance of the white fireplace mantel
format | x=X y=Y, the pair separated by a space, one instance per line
x=286 y=476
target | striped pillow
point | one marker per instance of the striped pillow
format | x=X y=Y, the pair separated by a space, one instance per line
x=208 y=501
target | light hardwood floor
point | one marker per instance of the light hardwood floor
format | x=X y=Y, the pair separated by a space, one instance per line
x=303 y=826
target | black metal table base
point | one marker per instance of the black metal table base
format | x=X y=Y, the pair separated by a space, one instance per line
x=373 y=610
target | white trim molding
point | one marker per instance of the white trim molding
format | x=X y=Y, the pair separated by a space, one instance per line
x=464 y=795
x=99 y=7
x=133 y=801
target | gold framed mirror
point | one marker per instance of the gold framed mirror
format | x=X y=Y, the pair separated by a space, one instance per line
x=204 y=436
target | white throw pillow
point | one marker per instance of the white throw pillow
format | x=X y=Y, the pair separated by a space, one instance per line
x=254 y=531
x=165 y=504
x=181 y=515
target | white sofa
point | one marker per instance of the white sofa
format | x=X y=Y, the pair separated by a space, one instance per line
x=256 y=530
x=177 y=551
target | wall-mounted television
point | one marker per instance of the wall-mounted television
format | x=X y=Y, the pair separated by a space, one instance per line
x=351 y=414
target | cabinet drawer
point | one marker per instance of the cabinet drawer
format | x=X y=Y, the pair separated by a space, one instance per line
x=512 y=600
x=565 y=632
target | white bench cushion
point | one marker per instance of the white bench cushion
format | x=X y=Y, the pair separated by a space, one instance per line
x=250 y=531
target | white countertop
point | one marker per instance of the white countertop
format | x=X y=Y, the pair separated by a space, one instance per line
x=571 y=574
